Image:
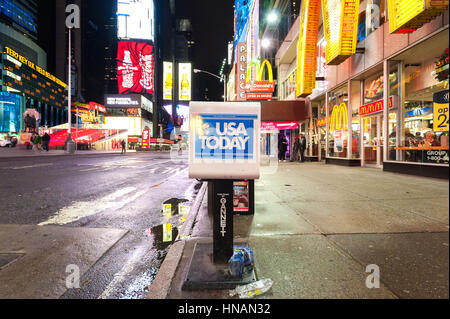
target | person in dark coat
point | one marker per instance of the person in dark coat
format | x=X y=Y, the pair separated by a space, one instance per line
x=124 y=146
x=282 y=147
x=302 y=148
x=46 y=142
x=296 y=155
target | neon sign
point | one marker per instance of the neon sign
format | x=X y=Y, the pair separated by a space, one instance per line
x=307 y=47
x=339 y=118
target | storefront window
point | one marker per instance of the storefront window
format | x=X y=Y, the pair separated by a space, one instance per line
x=10 y=113
x=338 y=124
x=356 y=120
x=424 y=135
x=314 y=138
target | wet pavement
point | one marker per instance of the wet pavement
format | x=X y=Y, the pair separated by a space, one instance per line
x=104 y=192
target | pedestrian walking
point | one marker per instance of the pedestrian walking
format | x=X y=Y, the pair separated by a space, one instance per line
x=46 y=142
x=282 y=147
x=36 y=140
x=296 y=155
x=124 y=146
x=302 y=148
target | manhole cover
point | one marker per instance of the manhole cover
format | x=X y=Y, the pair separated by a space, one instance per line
x=6 y=259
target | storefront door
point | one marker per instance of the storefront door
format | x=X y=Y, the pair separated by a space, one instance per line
x=372 y=142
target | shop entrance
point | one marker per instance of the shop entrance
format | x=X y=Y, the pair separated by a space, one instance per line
x=372 y=141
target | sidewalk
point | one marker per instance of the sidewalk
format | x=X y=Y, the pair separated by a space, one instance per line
x=21 y=152
x=317 y=227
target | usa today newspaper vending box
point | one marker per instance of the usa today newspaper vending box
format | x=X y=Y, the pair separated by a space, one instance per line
x=224 y=140
x=224 y=148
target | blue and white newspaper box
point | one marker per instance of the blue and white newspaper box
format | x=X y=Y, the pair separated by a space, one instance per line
x=224 y=140
x=224 y=147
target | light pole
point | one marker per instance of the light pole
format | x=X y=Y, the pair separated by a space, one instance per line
x=220 y=78
x=70 y=145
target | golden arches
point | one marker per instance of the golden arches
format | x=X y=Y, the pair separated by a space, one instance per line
x=339 y=118
x=260 y=70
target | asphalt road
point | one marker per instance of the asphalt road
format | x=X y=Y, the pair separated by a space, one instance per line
x=99 y=191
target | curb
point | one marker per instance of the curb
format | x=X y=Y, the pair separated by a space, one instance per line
x=160 y=287
x=62 y=155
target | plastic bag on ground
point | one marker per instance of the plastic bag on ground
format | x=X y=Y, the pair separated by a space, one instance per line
x=252 y=290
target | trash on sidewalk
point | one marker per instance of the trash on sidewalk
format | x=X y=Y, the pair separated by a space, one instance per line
x=252 y=290
x=241 y=262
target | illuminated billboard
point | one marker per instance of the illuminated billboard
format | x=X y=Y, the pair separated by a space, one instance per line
x=341 y=29
x=185 y=81
x=406 y=16
x=168 y=80
x=242 y=12
x=135 y=19
x=135 y=63
x=22 y=75
x=307 y=47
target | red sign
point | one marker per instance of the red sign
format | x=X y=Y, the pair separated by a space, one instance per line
x=259 y=96
x=146 y=139
x=276 y=126
x=260 y=87
x=97 y=107
x=322 y=122
x=375 y=107
x=135 y=67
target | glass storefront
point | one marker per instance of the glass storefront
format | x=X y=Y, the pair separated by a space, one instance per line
x=11 y=111
x=421 y=123
x=338 y=128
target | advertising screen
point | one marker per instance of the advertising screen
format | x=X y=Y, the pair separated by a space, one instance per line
x=135 y=63
x=185 y=81
x=22 y=75
x=135 y=19
x=168 y=80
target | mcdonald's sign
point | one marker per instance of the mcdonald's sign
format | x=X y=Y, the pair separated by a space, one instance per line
x=339 y=118
x=260 y=86
x=375 y=107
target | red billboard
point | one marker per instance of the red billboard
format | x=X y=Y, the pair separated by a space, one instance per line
x=146 y=139
x=135 y=65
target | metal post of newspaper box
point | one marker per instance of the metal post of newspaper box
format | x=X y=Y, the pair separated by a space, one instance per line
x=224 y=148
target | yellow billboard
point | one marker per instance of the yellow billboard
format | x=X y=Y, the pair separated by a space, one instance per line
x=168 y=80
x=406 y=16
x=340 y=27
x=185 y=81
x=307 y=47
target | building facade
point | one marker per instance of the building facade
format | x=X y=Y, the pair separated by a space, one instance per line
x=383 y=104
x=25 y=81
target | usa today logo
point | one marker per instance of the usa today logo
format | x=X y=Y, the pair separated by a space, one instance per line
x=221 y=136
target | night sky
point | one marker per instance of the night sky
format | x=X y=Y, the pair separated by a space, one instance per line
x=213 y=28
x=213 y=23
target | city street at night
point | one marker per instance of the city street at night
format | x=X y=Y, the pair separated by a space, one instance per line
x=224 y=158
x=107 y=205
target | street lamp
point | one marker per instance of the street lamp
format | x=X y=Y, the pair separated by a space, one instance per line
x=272 y=17
x=265 y=43
x=70 y=145
x=220 y=78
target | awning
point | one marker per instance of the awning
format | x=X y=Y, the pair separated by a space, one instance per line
x=283 y=111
